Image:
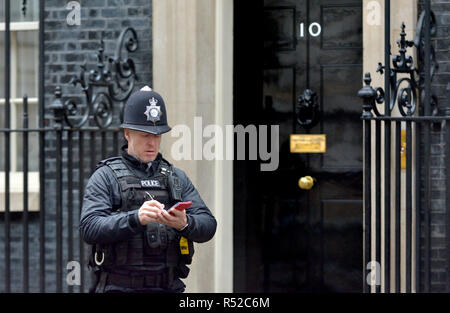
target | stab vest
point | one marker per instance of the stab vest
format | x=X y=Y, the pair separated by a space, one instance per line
x=158 y=247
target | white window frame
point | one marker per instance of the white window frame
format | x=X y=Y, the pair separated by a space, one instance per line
x=16 y=177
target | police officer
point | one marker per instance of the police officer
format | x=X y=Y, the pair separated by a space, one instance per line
x=139 y=243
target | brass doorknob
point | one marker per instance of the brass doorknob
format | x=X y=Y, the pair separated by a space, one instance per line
x=306 y=182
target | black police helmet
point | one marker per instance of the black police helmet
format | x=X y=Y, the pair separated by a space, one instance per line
x=145 y=111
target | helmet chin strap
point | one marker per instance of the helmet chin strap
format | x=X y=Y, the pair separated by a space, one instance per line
x=137 y=158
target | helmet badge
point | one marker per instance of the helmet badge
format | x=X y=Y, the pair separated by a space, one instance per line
x=153 y=111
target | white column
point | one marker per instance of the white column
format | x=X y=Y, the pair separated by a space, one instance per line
x=224 y=169
x=192 y=70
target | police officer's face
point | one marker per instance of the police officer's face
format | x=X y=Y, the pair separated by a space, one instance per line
x=143 y=145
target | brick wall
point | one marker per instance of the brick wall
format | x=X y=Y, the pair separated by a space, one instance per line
x=438 y=206
x=66 y=48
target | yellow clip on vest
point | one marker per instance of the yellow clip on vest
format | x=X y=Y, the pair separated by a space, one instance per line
x=184 y=248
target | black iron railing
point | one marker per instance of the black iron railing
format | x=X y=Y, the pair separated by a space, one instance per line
x=75 y=139
x=405 y=87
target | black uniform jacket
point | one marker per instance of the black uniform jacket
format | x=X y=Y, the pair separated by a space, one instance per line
x=102 y=223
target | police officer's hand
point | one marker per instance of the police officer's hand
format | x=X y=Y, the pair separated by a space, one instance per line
x=173 y=218
x=148 y=212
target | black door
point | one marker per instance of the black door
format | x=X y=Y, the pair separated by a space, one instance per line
x=288 y=238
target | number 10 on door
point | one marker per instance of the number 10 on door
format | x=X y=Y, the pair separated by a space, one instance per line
x=314 y=29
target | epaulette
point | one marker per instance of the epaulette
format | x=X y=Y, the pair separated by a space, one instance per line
x=165 y=167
